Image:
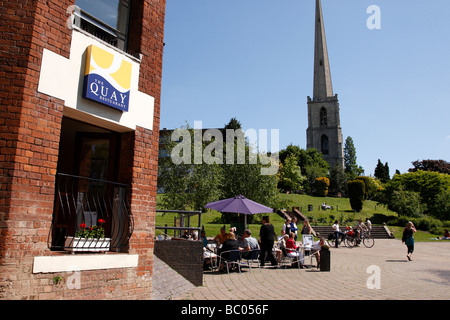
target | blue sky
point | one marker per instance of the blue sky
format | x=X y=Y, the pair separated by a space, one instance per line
x=253 y=60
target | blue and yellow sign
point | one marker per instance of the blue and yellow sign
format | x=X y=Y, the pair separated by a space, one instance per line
x=107 y=78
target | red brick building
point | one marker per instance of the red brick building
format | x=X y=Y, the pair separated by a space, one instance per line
x=80 y=85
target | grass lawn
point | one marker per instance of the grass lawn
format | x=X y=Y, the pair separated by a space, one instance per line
x=341 y=211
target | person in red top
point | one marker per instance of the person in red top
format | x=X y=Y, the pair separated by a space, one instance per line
x=290 y=245
x=292 y=249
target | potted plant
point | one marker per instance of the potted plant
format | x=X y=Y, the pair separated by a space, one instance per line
x=88 y=239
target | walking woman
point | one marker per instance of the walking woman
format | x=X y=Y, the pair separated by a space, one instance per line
x=408 y=238
x=267 y=237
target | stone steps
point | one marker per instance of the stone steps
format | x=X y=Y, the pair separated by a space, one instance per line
x=378 y=232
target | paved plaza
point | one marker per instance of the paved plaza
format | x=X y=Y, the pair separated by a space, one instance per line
x=378 y=273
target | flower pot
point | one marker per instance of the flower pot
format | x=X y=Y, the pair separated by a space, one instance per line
x=74 y=244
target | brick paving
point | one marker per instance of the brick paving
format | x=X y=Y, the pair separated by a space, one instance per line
x=427 y=277
x=167 y=283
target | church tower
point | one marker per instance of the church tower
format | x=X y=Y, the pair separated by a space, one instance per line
x=324 y=128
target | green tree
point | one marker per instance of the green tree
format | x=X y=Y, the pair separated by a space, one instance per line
x=311 y=163
x=243 y=175
x=427 y=183
x=314 y=166
x=350 y=166
x=233 y=124
x=356 y=194
x=187 y=186
x=407 y=203
x=382 y=172
x=291 y=177
x=441 y=166
x=441 y=205
x=338 y=180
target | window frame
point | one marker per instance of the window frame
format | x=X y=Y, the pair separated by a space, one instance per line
x=117 y=37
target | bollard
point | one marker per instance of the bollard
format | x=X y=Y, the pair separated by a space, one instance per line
x=325 y=260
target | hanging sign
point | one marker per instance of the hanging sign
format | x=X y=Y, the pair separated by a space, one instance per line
x=107 y=78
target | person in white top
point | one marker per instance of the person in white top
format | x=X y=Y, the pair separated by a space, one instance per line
x=337 y=232
x=360 y=227
x=369 y=224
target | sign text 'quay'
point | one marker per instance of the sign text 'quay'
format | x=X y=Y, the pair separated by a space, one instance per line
x=107 y=78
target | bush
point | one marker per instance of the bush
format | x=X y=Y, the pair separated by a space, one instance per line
x=431 y=186
x=321 y=185
x=406 y=203
x=441 y=206
x=356 y=189
x=372 y=187
x=429 y=224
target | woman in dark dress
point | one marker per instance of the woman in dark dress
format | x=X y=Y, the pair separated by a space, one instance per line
x=267 y=238
x=408 y=238
x=230 y=244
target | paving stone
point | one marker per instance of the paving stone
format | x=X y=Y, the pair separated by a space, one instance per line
x=427 y=277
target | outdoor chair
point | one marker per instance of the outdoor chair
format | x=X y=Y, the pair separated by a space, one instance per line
x=231 y=257
x=308 y=242
x=252 y=257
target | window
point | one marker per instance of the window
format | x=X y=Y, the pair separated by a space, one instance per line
x=324 y=144
x=323 y=116
x=105 y=19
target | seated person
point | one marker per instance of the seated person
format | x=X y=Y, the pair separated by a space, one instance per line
x=249 y=243
x=282 y=241
x=209 y=257
x=283 y=233
x=446 y=235
x=292 y=249
x=316 y=249
x=220 y=238
x=230 y=244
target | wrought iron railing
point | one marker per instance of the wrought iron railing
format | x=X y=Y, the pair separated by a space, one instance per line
x=98 y=28
x=80 y=203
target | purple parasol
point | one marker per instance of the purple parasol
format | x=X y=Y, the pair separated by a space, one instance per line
x=238 y=204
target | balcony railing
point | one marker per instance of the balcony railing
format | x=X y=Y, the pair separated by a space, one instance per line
x=81 y=202
x=98 y=28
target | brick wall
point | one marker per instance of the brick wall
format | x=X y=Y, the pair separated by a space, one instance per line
x=147 y=38
x=31 y=124
x=184 y=256
x=29 y=146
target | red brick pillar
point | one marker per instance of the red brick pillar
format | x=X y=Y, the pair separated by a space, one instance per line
x=147 y=39
x=29 y=136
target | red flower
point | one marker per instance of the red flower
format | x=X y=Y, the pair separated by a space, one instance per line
x=101 y=221
x=83 y=225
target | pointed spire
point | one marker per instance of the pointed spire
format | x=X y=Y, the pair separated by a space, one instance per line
x=322 y=75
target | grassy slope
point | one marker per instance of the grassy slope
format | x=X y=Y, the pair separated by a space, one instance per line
x=341 y=211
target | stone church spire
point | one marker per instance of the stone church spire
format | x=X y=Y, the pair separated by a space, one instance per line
x=322 y=76
x=324 y=128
